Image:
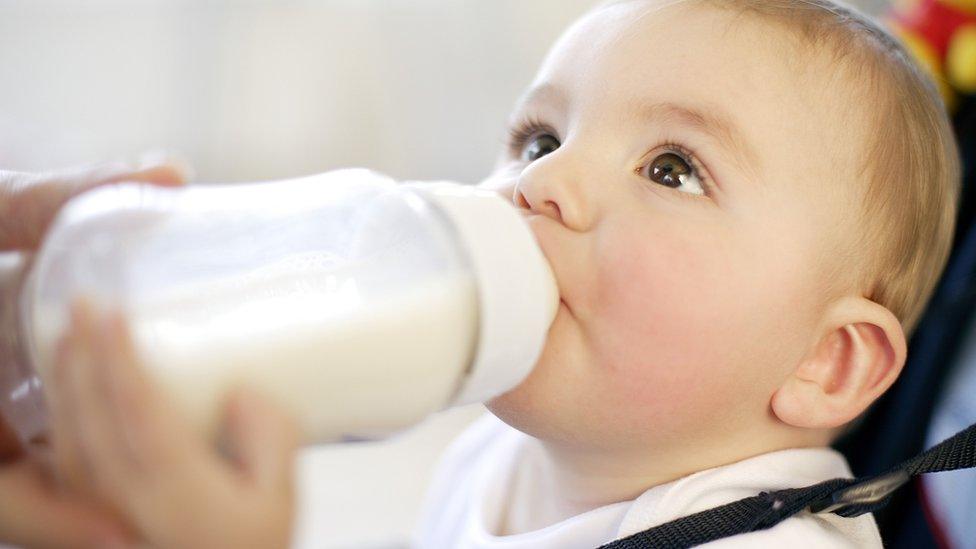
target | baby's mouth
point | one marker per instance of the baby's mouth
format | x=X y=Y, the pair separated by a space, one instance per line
x=562 y=303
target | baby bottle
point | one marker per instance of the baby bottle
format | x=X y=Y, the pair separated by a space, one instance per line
x=357 y=304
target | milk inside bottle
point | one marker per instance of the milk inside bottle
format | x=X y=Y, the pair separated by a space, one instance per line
x=357 y=304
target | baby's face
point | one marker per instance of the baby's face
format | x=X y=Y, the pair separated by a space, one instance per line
x=692 y=181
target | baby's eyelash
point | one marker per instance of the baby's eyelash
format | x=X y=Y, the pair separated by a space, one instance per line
x=523 y=130
x=690 y=158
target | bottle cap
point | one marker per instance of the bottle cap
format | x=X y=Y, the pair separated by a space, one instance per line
x=517 y=292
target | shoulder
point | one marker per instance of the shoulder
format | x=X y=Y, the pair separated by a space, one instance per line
x=814 y=531
x=794 y=468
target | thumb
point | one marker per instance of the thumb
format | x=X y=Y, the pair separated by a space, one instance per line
x=29 y=201
x=263 y=440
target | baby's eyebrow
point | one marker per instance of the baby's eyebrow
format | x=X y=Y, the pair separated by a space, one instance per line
x=711 y=121
x=543 y=94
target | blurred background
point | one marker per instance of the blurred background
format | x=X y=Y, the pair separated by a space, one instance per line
x=259 y=89
x=265 y=89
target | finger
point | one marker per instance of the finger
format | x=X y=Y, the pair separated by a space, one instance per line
x=147 y=450
x=29 y=202
x=95 y=434
x=144 y=421
x=68 y=458
x=34 y=514
x=264 y=440
x=157 y=455
x=13 y=270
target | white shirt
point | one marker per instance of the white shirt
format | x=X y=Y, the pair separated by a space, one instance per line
x=473 y=485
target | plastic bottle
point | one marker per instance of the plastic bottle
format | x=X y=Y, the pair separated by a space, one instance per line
x=359 y=305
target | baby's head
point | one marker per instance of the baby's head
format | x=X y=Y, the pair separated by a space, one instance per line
x=746 y=204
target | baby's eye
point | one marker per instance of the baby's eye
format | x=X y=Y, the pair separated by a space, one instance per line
x=538 y=146
x=672 y=171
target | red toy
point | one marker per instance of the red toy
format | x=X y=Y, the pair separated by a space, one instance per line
x=942 y=35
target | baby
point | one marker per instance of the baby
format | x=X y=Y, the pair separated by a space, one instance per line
x=746 y=204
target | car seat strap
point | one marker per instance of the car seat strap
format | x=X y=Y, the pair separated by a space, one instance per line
x=843 y=497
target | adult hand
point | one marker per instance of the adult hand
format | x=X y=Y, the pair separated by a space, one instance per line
x=33 y=512
x=170 y=484
x=29 y=201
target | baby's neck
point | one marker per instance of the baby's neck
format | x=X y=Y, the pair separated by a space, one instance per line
x=554 y=483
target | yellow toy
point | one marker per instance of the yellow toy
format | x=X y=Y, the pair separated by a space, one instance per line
x=942 y=35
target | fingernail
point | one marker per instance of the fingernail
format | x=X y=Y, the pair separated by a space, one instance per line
x=160 y=157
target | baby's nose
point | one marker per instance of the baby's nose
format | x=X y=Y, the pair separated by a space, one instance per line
x=541 y=197
x=556 y=200
x=548 y=208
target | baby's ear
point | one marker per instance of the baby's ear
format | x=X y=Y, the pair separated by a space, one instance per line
x=858 y=357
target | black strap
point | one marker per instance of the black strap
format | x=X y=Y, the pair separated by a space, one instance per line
x=844 y=497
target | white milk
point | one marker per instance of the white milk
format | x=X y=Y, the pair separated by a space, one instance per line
x=341 y=364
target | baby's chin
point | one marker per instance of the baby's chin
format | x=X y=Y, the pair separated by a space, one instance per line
x=516 y=409
x=506 y=407
x=547 y=403
x=528 y=411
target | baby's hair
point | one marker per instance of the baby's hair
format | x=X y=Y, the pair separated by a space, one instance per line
x=911 y=161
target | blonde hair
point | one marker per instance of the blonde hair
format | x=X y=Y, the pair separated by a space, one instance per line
x=913 y=172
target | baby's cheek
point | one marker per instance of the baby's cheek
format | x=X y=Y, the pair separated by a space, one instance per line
x=668 y=324
x=668 y=292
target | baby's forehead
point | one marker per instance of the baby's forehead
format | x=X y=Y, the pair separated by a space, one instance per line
x=754 y=73
x=697 y=35
x=786 y=35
